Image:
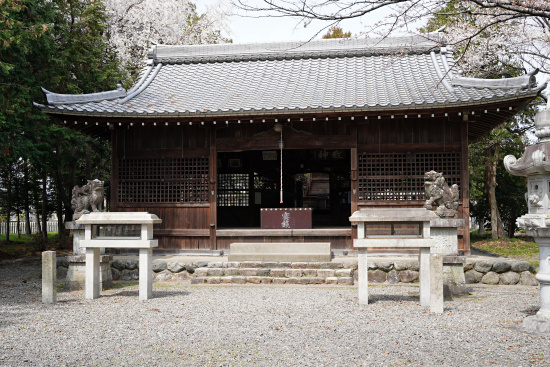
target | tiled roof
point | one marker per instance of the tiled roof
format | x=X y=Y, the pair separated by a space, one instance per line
x=326 y=75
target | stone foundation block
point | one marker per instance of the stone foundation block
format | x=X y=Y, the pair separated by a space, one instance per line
x=201 y=272
x=284 y=264
x=300 y=280
x=293 y=273
x=400 y=265
x=331 y=280
x=213 y=280
x=279 y=280
x=233 y=264
x=325 y=273
x=248 y=272
x=214 y=272
x=526 y=278
x=230 y=271
x=377 y=276
x=277 y=273
x=176 y=266
x=310 y=272
x=344 y=273
x=253 y=280
x=270 y=264
x=509 y=278
x=473 y=276
x=331 y=265
x=408 y=276
x=158 y=265
x=385 y=266
x=163 y=275
x=414 y=266
x=226 y=280
x=264 y=272
x=490 y=278
x=239 y=280
x=317 y=280
x=266 y=280
x=501 y=267
x=198 y=280
x=314 y=265
x=393 y=277
x=345 y=280
x=469 y=265
x=214 y=265
x=299 y=265
x=520 y=266
x=483 y=266
x=250 y=264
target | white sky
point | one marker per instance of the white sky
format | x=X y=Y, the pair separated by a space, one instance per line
x=265 y=29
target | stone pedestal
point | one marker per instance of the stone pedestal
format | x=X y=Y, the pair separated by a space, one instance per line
x=78 y=235
x=444 y=231
x=49 y=279
x=76 y=275
x=540 y=323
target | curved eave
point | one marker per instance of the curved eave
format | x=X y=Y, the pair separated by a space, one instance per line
x=57 y=110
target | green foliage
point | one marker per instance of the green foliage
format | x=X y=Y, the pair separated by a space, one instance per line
x=60 y=45
x=521 y=249
x=336 y=32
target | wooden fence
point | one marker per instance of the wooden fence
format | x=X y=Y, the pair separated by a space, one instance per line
x=52 y=227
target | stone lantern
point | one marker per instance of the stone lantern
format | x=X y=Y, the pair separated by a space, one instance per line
x=535 y=165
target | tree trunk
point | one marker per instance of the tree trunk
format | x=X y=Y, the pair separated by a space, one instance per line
x=44 y=208
x=491 y=160
x=8 y=202
x=26 y=196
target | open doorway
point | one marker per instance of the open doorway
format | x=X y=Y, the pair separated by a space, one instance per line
x=318 y=179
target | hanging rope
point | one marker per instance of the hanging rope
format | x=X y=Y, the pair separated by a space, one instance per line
x=281 y=147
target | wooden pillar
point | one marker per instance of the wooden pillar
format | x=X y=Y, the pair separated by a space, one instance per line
x=212 y=189
x=354 y=184
x=464 y=180
x=114 y=170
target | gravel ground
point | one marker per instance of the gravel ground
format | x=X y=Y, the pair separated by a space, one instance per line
x=258 y=325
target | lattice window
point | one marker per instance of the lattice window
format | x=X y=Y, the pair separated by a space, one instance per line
x=233 y=189
x=163 y=180
x=392 y=176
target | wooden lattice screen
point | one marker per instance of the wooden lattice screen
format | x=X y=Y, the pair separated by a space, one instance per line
x=400 y=176
x=233 y=189
x=163 y=180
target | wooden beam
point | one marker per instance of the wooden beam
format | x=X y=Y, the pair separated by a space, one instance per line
x=212 y=189
x=464 y=179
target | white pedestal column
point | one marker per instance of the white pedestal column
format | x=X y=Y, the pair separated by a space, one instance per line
x=540 y=323
x=92 y=273
x=424 y=262
x=363 y=276
x=145 y=273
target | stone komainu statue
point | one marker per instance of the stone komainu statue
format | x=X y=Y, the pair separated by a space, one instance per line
x=439 y=193
x=88 y=198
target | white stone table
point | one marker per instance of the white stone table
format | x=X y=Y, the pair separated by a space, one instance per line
x=431 y=264
x=119 y=230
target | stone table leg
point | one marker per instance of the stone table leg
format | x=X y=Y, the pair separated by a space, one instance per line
x=363 y=277
x=436 y=283
x=92 y=273
x=145 y=273
x=424 y=262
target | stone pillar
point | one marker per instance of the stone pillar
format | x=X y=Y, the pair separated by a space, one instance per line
x=145 y=273
x=363 y=276
x=424 y=263
x=92 y=273
x=49 y=277
x=436 y=283
x=444 y=231
x=540 y=323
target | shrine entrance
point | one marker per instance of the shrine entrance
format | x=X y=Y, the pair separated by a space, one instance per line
x=318 y=179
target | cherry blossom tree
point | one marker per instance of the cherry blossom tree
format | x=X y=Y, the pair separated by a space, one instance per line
x=514 y=29
x=134 y=25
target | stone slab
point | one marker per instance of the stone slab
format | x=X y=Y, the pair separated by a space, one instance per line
x=294 y=252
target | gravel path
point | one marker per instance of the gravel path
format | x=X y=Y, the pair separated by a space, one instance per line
x=262 y=326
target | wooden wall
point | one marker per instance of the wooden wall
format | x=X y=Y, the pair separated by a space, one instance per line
x=193 y=225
